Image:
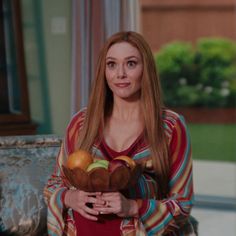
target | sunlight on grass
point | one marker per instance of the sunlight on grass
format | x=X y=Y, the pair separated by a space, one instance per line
x=213 y=142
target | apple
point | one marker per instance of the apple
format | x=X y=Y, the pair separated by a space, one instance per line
x=98 y=164
x=79 y=159
x=114 y=164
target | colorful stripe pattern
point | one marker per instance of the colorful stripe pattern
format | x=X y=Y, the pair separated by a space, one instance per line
x=157 y=217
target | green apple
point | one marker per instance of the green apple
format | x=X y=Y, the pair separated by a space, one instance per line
x=98 y=164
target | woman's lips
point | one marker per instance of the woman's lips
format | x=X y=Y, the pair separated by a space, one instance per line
x=122 y=85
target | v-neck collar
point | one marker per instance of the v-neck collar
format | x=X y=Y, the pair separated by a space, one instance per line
x=110 y=153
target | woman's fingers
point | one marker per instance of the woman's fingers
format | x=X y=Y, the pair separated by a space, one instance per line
x=95 y=200
x=91 y=211
x=80 y=202
x=111 y=203
x=88 y=216
x=90 y=205
x=92 y=193
x=118 y=204
x=104 y=210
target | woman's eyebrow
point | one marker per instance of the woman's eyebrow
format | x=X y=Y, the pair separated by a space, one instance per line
x=131 y=57
x=126 y=58
x=110 y=58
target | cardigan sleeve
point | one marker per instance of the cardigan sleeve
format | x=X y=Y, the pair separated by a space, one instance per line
x=161 y=217
x=59 y=218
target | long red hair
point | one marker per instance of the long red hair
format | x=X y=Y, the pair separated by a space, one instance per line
x=101 y=103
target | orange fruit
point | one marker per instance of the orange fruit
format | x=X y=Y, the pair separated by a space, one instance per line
x=79 y=159
x=128 y=160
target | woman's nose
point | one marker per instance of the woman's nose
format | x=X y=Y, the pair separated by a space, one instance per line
x=121 y=73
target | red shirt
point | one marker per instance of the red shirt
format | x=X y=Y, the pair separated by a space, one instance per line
x=106 y=225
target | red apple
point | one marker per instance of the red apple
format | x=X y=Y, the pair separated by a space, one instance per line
x=114 y=164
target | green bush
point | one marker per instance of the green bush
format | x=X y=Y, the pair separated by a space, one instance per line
x=204 y=75
x=174 y=63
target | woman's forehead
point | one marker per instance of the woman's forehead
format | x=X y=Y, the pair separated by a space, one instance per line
x=123 y=49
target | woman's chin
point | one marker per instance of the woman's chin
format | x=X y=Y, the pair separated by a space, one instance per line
x=128 y=96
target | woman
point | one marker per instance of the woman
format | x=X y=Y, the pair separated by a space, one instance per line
x=125 y=116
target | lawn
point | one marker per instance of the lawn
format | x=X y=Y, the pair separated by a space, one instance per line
x=213 y=142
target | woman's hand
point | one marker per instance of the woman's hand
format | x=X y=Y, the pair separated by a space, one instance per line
x=79 y=200
x=116 y=203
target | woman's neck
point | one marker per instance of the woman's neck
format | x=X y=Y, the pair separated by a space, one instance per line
x=126 y=110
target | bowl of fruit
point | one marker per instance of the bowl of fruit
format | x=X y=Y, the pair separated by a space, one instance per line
x=90 y=174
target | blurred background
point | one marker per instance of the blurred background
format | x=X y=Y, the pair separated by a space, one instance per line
x=48 y=52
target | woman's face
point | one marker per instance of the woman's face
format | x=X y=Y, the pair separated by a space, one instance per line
x=124 y=68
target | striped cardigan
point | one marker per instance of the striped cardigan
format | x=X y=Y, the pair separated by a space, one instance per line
x=169 y=216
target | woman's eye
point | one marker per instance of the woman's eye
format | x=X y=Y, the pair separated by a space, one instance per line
x=111 y=64
x=131 y=64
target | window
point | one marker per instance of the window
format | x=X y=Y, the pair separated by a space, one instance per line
x=14 y=103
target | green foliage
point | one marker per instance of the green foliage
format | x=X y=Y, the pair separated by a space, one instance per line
x=204 y=75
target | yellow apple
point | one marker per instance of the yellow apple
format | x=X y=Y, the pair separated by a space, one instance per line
x=79 y=159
